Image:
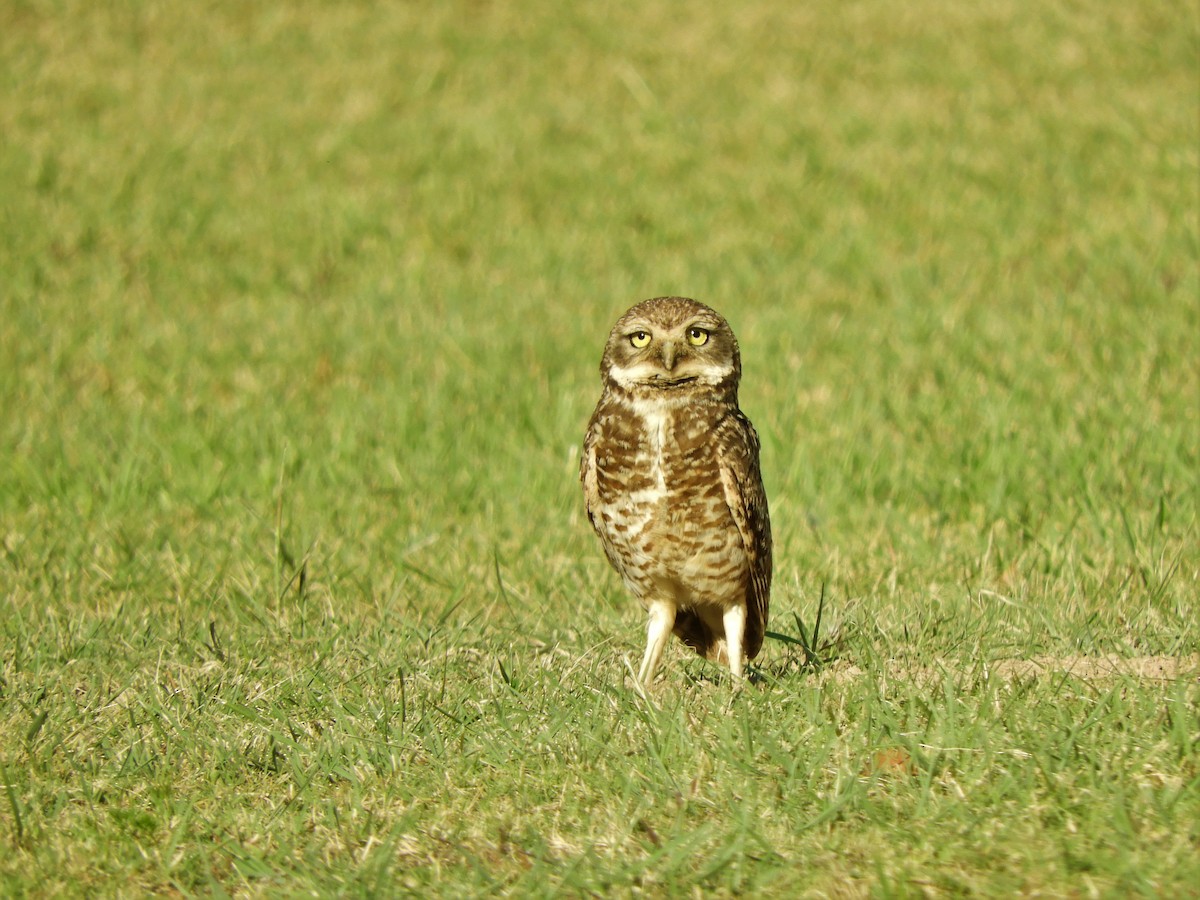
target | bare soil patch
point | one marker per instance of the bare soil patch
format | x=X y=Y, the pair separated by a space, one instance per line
x=1149 y=668
x=1153 y=668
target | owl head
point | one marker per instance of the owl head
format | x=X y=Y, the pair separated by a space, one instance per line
x=671 y=345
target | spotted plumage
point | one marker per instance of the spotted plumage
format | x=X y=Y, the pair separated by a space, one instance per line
x=671 y=477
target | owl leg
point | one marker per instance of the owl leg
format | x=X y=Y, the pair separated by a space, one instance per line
x=734 y=619
x=662 y=620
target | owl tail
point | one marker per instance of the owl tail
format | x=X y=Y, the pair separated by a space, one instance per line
x=692 y=630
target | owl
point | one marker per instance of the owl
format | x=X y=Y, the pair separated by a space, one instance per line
x=671 y=477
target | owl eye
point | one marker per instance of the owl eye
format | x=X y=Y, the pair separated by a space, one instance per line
x=639 y=339
x=697 y=337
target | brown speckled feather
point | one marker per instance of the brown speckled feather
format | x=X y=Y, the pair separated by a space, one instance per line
x=747 y=501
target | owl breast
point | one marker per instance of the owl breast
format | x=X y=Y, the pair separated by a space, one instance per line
x=662 y=515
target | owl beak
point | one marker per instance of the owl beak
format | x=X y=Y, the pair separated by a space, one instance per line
x=668 y=355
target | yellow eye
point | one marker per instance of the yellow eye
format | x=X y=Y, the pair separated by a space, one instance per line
x=639 y=339
x=697 y=337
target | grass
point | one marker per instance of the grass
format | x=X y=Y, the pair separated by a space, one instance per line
x=301 y=311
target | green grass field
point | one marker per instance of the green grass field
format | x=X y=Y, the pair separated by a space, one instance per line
x=300 y=318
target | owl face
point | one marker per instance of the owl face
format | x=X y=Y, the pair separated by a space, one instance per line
x=669 y=344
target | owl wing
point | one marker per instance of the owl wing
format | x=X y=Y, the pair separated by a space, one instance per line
x=589 y=477
x=737 y=455
x=587 y=471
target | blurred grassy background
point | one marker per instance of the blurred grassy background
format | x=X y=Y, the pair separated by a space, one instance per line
x=302 y=306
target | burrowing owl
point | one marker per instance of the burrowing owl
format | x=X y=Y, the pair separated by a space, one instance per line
x=670 y=473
